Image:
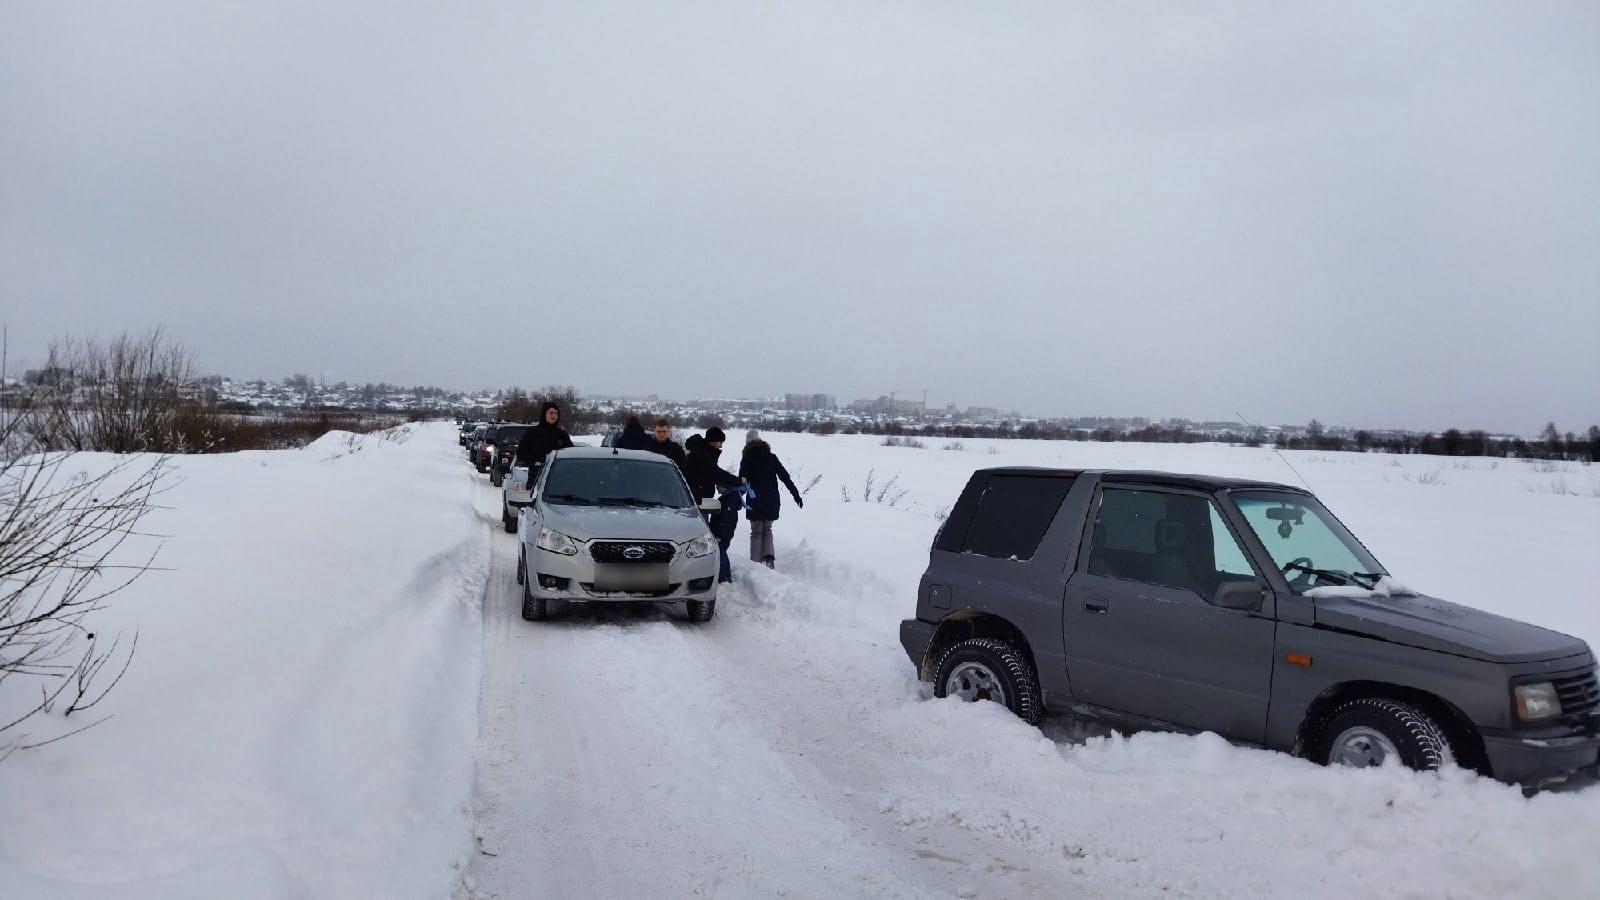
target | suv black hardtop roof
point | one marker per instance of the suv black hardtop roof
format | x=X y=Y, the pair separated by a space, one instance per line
x=1148 y=476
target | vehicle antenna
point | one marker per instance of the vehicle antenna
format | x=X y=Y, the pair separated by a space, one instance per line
x=1285 y=459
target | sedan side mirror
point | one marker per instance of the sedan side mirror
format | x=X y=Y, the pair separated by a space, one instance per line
x=1246 y=595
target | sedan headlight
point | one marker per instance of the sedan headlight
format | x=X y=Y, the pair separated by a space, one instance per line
x=704 y=545
x=556 y=542
x=1537 y=701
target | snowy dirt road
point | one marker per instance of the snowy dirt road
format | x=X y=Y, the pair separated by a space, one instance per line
x=629 y=752
x=785 y=749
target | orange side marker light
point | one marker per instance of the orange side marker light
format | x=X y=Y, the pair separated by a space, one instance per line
x=1300 y=659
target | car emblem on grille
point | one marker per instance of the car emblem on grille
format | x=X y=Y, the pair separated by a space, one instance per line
x=633 y=552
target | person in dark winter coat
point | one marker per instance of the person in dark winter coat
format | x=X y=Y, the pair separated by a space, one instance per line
x=633 y=436
x=538 y=441
x=701 y=468
x=724 y=523
x=665 y=445
x=705 y=478
x=760 y=468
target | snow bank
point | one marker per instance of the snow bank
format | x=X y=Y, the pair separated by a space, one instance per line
x=300 y=718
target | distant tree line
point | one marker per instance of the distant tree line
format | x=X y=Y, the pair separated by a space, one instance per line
x=1551 y=444
x=139 y=393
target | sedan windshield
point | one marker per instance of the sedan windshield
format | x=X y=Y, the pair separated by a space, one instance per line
x=615 y=481
x=1309 y=546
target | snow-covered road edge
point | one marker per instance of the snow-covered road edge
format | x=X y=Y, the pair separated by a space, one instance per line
x=301 y=718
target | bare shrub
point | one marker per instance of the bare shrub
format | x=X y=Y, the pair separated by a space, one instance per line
x=955 y=445
x=1434 y=477
x=1557 y=485
x=992 y=450
x=844 y=493
x=1546 y=466
x=122 y=396
x=815 y=480
x=59 y=530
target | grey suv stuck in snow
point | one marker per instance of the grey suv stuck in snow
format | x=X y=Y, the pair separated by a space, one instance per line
x=1197 y=603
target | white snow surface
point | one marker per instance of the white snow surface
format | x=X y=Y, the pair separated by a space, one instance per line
x=335 y=696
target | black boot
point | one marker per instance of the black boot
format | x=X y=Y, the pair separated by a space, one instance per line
x=768 y=561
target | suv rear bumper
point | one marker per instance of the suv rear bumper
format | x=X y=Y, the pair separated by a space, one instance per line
x=1525 y=759
x=915 y=635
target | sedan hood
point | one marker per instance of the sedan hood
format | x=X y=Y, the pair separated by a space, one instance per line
x=623 y=523
x=1434 y=624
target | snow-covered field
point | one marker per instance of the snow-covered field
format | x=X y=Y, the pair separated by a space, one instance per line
x=322 y=706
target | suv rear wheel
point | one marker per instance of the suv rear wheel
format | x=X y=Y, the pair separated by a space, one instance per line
x=1371 y=730
x=984 y=668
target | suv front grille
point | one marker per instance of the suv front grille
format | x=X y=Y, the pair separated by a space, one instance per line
x=631 y=552
x=1579 y=692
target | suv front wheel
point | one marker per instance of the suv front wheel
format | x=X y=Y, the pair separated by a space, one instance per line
x=1372 y=730
x=984 y=668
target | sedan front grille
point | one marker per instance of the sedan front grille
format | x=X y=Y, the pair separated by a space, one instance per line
x=1579 y=692
x=630 y=552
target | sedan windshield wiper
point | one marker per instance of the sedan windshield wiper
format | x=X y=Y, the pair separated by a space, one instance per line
x=630 y=501
x=573 y=499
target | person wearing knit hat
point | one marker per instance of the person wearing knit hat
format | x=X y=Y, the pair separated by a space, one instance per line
x=706 y=476
x=761 y=469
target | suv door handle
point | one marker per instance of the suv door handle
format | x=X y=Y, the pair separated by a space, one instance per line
x=1098 y=607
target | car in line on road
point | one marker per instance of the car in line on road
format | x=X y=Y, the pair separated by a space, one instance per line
x=506 y=437
x=1198 y=603
x=607 y=525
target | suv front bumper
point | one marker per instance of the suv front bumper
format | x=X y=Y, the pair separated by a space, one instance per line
x=1531 y=758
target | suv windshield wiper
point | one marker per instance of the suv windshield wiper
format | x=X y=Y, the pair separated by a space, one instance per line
x=630 y=501
x=1330 y=574
x=573 y=499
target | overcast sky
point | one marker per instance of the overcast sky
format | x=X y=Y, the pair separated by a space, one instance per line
x=1375 y=214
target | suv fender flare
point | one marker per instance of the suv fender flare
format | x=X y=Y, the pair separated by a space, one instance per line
x=971 y=623
x=1466 y=743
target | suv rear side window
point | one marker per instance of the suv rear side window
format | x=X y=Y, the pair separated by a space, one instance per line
x=1012 y=515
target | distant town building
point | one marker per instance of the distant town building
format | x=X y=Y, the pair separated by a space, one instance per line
x=809 y=402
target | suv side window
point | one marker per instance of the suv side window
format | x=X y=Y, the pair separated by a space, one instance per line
x=1012 y=515
x=1174 y=540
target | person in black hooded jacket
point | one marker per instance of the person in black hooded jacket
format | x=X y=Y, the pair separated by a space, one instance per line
x=633 y=436
x=538 y=441
x=701 y=468
x=705 y=477
x=760 y=468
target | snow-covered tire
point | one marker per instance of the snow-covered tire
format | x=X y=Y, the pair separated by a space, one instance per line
x=1364 y=731
x=534 y=609
x=701 y=610
x=522 y=568
x=494 y=477
x=981 y=668
x=507 y=520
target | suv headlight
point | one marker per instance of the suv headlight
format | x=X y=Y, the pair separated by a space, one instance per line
x=1537 y=701
x=556 y=542
x=704 y=545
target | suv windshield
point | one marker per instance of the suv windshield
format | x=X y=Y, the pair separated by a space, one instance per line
x=1308 y=545
x=616 y=481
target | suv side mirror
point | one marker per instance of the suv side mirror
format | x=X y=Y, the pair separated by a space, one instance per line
x=1246 y=595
